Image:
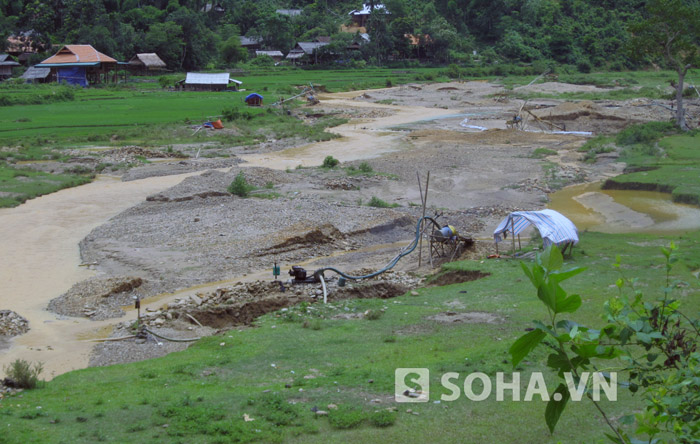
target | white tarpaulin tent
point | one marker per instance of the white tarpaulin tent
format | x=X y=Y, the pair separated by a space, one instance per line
x=553 y=227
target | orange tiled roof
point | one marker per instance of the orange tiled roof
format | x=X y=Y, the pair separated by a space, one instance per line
x=79 y=54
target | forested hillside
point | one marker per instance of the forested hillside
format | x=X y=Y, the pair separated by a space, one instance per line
x=196 y=34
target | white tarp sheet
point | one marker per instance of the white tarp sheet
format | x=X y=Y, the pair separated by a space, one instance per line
x=554 y=227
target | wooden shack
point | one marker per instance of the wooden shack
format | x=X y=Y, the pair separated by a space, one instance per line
x=254 y=99
x=146 y=63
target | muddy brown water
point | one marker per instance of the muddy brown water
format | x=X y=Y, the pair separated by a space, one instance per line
x=624 y=211
x=40 y=258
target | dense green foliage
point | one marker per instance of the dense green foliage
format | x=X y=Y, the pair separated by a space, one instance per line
x=583 y=34
x=654 y=339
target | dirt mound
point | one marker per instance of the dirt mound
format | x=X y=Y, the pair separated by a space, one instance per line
x=97 y=298
x=138 y=151
x=12 y=324
x=324 y=234
x=457 y=277
x=203 y=195
x=469 y=317
x=490 y=137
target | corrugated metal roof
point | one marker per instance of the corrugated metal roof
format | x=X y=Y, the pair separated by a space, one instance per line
x=295 y=55
x=71 y=54
x=196 y=78
x=289 y=12
x=270 y=53
x=36 y=73
x=366 y=9
x=249 y=41
x=310 y=47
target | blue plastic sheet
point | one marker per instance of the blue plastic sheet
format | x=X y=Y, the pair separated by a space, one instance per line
x=73 y=76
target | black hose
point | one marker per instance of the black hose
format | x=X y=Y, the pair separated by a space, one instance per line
x=391 y=263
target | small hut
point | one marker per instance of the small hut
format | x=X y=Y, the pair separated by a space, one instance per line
x=146 y=63
x=196 y=81
x=254 y=99
x=36 y=75
x=6 y=65
x=553 y=226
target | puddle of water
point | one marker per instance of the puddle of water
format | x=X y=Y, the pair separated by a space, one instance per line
x=624 y=211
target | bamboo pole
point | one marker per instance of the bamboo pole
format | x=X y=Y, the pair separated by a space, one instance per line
x=512 y=233
x=424 y=201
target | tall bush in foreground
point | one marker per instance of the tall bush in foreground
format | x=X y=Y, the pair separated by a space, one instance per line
x=24 y=374
x=656 y=344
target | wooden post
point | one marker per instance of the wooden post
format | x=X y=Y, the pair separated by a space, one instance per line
x=512 y=233
x=424 y=201
x=520 y=247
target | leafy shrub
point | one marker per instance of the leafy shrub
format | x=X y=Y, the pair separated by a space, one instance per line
x=240 y=186
x=275 y=409
x=378 y=203
x=164 y=81
x=654 y=339
x=330 y=162
x=373 y=315
x=389 y=83
x=454 y=71
x=365 y=167
x=230 y=114
x=23 y=373
x=346 y=417
x=382 y=418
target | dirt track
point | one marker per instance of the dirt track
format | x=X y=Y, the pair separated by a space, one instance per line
x=196 y=234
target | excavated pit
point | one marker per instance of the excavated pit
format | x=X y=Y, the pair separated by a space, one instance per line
x=457 y=277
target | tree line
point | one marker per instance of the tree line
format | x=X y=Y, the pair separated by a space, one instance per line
x=189 y=35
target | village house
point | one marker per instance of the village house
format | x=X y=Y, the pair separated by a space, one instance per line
x=361 y=16
x=24 y=44
x=305 y=52
x=6 y=65
x=146 y=63
x=36 y=75
x=80 y=65
x=252 y=44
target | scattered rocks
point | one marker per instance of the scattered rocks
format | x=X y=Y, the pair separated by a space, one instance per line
x=97 y=298
x=12 y=324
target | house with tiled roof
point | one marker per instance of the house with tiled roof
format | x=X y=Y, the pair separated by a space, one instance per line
x=80 y=65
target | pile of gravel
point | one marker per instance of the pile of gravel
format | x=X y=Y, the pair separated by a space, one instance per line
x=12 y=324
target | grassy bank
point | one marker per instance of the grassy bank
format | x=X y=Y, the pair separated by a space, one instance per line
x=17 y=184
x=304 y=359
x=670 y=165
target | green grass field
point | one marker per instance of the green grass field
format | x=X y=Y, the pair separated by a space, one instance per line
x=676 y=172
